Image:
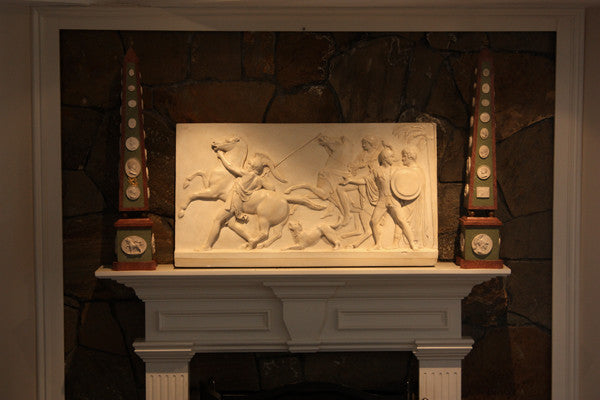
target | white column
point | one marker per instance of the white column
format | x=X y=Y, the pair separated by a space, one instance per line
x=440 y=367
x=167 y=369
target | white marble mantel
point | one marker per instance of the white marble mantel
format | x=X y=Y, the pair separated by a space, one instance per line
x=414 y=309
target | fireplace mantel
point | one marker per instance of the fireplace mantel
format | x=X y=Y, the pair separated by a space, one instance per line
x=414 y=309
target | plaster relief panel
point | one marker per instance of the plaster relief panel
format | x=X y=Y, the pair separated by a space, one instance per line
x=252 y=195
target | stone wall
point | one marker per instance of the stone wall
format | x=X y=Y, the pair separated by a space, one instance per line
x=308 y=77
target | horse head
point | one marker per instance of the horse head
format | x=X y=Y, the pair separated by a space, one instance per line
x=331 y=144
x=225 y=145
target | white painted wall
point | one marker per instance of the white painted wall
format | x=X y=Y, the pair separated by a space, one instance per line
x=589 y=361
x=17 y=286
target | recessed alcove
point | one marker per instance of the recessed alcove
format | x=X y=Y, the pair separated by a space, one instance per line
x=306 y=77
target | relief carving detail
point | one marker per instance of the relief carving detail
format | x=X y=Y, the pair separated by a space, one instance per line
x=341 y=188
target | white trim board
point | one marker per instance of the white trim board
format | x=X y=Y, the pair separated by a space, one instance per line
x=315 y=3
x=568 y=24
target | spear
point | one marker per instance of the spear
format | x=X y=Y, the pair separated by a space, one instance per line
x=297 y=150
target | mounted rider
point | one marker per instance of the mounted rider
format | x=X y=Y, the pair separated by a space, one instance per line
x=248 y=180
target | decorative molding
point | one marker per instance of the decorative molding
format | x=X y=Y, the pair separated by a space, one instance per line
x=383 y=19
x=567 y=22
x=308 y=315
x=440 y=369
x=392 y=319
x=312 y=3
x=167 y=369
x=297 y=311
x=167 y=386
x=440 y=383
x=214 y=321
x=436 y=350
x=47 y=176
x=304 y=290
x=567 y=205
x=164 y=352
x=304 y=307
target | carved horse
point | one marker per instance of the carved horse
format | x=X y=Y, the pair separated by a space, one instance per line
x=271 y=208
x=218 y=182
x=272 y=211
x=330 y=177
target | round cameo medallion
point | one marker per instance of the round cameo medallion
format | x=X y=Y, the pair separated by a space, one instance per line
x=131 y=88
x=132 y=123
x=132 y=103
x=482 y=244
x=483 y=172
x=484 y=133
x=484 y=117
x=485 y=102
x=485 y=88
x=133 y=167
x=133 y=245
x=484 y=151
x=133 y=193
x=132 y=143
x=486 y=72
x=131 y=72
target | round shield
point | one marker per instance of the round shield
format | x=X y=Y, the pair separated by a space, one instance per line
x=406 y=183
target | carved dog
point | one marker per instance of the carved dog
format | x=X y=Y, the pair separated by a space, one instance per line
x=304 y=239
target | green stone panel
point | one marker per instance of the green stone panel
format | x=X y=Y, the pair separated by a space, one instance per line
x=478 y=142
x=493 y=233
x=136 y=131
x=144 y=233
x=139 y=202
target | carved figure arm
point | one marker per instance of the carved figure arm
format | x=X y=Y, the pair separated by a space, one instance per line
x=267 y=185
x=357 y=164
x=233 y=170
x=358 y=180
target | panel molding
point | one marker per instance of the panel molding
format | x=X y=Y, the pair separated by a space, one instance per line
x=395 y=319
x=214 y=321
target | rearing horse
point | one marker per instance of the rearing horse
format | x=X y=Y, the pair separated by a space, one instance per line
x=218 y=182
x=270 y=207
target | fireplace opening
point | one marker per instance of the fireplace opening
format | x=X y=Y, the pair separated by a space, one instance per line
x=317 y=391
x=315 y=376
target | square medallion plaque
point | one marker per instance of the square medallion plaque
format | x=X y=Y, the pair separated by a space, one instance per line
x=301 y=195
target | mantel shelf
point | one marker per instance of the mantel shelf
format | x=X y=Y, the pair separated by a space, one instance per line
x=441 y=269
